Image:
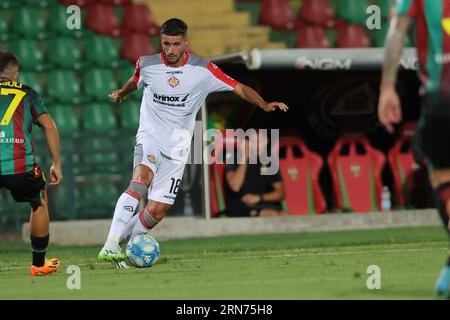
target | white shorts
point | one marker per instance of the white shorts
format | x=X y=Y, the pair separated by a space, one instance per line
x=167 y=172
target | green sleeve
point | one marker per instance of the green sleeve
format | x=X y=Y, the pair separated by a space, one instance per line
x=407 y=7
x=37 y=105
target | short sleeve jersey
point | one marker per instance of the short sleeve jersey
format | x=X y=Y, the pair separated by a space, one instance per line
x=172 y=97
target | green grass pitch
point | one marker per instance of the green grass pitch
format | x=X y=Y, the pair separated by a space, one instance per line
x=331 y=265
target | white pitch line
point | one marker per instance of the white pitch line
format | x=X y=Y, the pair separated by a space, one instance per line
x=269 y=256
x=318 y=254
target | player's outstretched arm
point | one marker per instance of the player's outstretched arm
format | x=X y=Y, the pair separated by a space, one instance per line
x=250 y=95
x=53 y=141
x=120 y=94
x=389 y=108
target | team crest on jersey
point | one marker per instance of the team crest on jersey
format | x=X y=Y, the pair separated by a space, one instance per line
x=446 y=25
x=173 y=81
x=151 y=158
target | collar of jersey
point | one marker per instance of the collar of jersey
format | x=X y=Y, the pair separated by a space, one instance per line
x=184 y=62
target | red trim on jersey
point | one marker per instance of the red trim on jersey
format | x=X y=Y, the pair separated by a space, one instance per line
x=20 y=162
x=137 y=72
x=219 y=74
x=445 y=74
x=422 y=40
x=183 y=64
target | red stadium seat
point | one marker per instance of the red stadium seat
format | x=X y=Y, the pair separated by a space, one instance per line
x=356 y=170
x=102 y=20
x=317 y=12
x=217 y=193
x=81 y=3
x=216 y=175
x=138 y=18
x=300 y=173
x=402 y=165
x=309 y=36
x=352 y=36
x=277 y=14
x=136 y=45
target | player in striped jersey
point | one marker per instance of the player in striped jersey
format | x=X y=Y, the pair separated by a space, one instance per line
x=432 y=18
x=20 y=109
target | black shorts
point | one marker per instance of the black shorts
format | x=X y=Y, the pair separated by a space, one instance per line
x=242 y=210
x=25 y=187
x=434 y=131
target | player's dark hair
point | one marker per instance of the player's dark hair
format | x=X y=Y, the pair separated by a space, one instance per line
x=174 y=27
x=7 y=59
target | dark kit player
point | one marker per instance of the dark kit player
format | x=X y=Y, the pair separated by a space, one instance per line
x=433 y=50
x=20 y=109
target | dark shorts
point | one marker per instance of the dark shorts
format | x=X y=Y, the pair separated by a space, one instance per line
x=434 y=131
x=242 y=210
x=25 y=187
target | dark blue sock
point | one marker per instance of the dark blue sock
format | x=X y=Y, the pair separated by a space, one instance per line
x=39 y=248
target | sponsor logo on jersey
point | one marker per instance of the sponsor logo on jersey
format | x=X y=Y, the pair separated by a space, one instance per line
x=173 y=81
x=446 y=25
x=174 y=72
x=3 y=139
x=171 y=101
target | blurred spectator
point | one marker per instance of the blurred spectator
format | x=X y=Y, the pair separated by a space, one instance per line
x=248 y=192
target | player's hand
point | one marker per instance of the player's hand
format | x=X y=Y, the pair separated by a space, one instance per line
x=116 y=96
x=272 y=106
x=55 y=175
x=389 y=108
x=251 y=199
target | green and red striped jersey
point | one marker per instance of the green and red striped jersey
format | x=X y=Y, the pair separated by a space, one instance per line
x=433 y=41
x=20 y=106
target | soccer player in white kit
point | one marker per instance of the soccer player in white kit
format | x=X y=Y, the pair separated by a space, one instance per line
x=176 y=83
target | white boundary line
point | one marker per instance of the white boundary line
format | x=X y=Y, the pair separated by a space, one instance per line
x=268 y=256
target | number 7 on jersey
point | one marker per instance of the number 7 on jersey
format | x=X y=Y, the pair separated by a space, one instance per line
x=18 y=96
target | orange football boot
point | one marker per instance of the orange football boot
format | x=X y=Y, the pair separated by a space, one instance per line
x=50 y=266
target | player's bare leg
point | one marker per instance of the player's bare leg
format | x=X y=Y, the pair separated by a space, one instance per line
x=39 y=234
x=126 y=206
x=440 y=180
x=150 y=216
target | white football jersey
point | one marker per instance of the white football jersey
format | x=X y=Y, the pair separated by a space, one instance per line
x=172 y=98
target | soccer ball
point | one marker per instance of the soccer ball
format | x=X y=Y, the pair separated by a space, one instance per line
x=143 y=250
